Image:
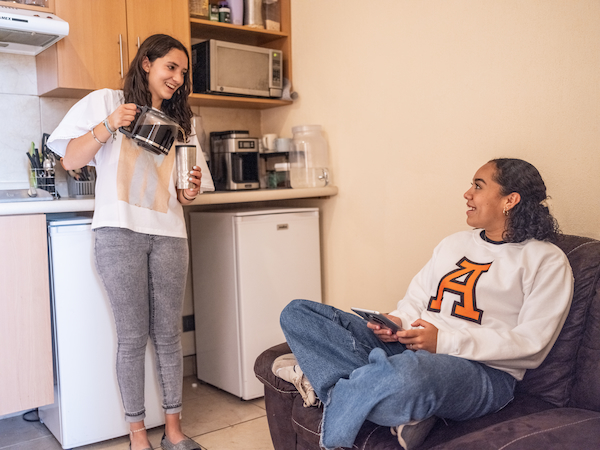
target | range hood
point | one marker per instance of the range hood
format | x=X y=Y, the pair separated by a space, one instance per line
x=29 y=32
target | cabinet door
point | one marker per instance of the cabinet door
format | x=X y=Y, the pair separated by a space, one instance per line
x=148 y=17
x=26 y=379
x=94 y=54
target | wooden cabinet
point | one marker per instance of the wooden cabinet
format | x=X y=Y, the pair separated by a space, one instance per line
x=92 y=56
x=281 y=40
x=26 y=379
x=148 y=17
x=103 y=38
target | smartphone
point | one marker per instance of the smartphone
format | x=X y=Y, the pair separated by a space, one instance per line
x=377 y=318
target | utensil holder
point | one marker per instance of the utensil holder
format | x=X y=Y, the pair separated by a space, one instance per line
x=80 y=189
x=44 y=179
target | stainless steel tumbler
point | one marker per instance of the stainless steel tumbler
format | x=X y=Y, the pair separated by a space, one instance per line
x=185 y=157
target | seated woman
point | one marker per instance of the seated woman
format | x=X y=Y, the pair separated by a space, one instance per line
x=488 y=306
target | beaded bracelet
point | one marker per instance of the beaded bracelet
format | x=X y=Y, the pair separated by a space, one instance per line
x=109 y=129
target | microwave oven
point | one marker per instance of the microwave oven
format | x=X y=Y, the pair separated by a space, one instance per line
x=226 y=68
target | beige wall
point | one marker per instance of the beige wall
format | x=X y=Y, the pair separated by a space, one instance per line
x=414 y=96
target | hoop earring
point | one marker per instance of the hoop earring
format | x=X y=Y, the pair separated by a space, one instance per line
x=505 y=211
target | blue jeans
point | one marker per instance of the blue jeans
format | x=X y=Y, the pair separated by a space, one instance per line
x=144 y=276
x=358 y=377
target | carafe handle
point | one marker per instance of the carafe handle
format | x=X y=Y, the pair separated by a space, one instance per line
x=126 y=133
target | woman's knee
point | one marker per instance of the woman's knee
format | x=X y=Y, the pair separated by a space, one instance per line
x=132 y=343
x=292 y=311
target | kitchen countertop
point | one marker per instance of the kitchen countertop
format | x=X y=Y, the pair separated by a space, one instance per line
x=210 y=198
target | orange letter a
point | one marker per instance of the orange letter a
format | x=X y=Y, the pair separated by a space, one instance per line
x=466 y=308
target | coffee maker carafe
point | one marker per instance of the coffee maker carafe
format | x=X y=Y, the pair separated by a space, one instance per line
x=234 y=160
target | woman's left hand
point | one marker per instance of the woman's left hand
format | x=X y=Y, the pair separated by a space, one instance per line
x=196 y=179
x=422 y=338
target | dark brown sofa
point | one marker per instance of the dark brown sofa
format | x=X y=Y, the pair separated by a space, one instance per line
x=556 y=406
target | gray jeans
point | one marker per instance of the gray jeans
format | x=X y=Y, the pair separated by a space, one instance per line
x=144 y=276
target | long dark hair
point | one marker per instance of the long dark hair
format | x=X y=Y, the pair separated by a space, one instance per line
x=135 y=87
x=530 y=218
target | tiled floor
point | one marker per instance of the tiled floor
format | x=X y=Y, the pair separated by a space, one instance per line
x=213 y=418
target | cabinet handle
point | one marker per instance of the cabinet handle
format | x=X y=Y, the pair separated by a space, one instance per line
x=139 y=43
x=121 y=53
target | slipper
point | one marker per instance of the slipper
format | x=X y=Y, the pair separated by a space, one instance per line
x=147 y=448
x=186 y=444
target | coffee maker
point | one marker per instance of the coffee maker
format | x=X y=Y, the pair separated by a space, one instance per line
x=234 y=160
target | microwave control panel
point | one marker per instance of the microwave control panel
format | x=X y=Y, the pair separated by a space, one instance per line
x=276 y=70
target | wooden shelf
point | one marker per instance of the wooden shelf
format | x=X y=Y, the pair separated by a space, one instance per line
x=213 y=101
x=225 y=101
x=207 y=29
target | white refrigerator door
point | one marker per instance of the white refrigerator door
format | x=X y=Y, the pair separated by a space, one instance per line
x=87 y=405
x=278 y=260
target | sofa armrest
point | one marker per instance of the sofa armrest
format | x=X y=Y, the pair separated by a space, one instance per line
x=279 y=399
x=559 y=429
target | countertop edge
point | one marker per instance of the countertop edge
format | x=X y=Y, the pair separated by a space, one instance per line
x=260 y=195
x=209 y=198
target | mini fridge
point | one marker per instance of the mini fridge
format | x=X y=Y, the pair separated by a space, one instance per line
x=87 y=402
x=247 y=266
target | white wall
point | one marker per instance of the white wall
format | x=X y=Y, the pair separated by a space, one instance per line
x=414 y=96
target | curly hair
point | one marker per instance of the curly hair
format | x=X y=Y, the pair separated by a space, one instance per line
x=530 y=218
x=135 y=86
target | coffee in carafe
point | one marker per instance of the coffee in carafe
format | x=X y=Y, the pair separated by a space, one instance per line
x=153 y=130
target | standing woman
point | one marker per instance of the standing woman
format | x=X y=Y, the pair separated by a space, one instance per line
x=141 y=248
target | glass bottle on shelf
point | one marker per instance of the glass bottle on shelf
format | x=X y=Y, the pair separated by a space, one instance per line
x=309 y=157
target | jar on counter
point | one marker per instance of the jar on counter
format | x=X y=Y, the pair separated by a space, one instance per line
x=309 y=157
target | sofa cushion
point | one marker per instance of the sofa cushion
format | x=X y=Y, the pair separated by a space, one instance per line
x=558 y=428
x=553 y=379
x=522 y=405
x=307 y=421
x=586 y=390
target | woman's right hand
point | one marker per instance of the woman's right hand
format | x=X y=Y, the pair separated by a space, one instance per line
x=385 y=334
x=122 y=116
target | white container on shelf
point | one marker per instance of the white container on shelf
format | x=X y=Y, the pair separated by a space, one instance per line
x=237 y=12
x=309 y=157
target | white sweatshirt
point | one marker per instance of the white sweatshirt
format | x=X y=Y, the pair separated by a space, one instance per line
x=500 y=304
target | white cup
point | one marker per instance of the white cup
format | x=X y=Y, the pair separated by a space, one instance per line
x=283 y=144
x=268 y=142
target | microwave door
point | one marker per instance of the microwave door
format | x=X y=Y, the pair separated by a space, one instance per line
x=241 y=71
